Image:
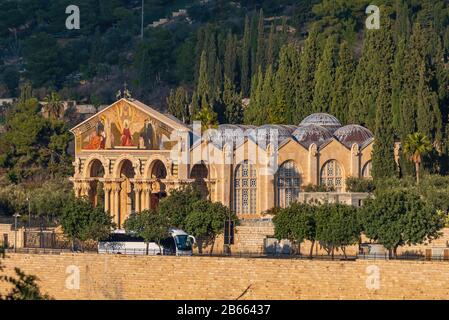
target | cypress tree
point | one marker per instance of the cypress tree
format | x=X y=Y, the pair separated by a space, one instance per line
x=307 y=76
x=245 y=81
x=420 y=105
x=253 y=41
x=325 y=78
x=286 y=86
x=230 y=58
x=397 y=93
x=260 y=49
x=344 y=75
x=267 y=112
x=383 y=150
x=203 y=87
x=218 y=80
x=200 y=47
x=194 y=106
x=271 y=50
x=251 y=113
x=233 y=103
x=429 y=120
x=402 y=25
x=211 y=56
x=375 y=65
x=178 y=104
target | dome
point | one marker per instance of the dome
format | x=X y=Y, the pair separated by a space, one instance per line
x=354 y=133
x=227 y=133
x=312 y=133
x=265 y=133
x=322 y=119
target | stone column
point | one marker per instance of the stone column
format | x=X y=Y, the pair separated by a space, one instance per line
x=107 y=197
x=77 y=188
x=85 y=188
x=355 y=161
x=313 y=168
x=146 y=192
x=116 y=203
x=137 y=194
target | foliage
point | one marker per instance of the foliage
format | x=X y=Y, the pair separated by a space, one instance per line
x=45 y=200
x=360 y=185
x=296 y=223
x=24 y=287
x=399 y=217
x=416 y=146
x=150 y=225
x=178 y=205
x=383 y=151
x=318 y=188
x=207 y=220
x=81 y=221
x=337 y=226
x=33 y=146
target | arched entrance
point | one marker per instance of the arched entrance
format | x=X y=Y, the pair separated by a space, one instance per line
x=126 y=198
x=158 y=173
x=200 y=174
x=96 y=190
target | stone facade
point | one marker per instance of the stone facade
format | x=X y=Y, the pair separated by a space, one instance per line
x=152 y=277
x=129 y=156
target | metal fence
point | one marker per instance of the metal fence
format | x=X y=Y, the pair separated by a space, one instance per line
x=253 y=255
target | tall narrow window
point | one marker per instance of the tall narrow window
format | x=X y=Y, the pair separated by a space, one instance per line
x=200 y=174
x=366 y=172
x=288 y=184
x=245 y=189
x=332 y=176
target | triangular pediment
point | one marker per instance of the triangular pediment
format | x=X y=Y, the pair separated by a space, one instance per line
x=127 y=123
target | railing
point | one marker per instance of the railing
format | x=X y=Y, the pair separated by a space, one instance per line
x=241 y=254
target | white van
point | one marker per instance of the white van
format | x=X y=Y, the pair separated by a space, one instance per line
x=178 y=243
x=121 y=243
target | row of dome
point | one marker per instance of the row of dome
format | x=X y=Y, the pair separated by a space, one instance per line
x=317 y=128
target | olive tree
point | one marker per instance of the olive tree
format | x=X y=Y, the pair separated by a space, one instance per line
x=398 y=217
x=207 y=220
x=81 y=221
x=150 y=225
x=177 y=206
x=337 y=226
x=296 y=223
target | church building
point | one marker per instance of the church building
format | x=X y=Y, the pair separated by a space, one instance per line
x=129 y=156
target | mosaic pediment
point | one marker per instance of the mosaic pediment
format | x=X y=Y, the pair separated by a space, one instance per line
x=123 y=126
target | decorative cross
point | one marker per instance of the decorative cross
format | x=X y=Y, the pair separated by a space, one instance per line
x=126 y=93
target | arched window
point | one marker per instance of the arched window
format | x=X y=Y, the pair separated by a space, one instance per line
x=288 y=184
x=332 y=176
x=245 y=189
x=200 y=174
x=158 y=171
x=366 y=172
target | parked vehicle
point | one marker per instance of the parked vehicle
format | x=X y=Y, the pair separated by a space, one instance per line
x=178 y=243
x=121 y=243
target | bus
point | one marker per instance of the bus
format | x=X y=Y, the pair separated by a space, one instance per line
x=119 y=242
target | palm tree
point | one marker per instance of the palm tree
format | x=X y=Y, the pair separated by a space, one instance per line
x=54 y=106
x=416 y=146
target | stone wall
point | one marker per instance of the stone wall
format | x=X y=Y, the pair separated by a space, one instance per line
x=140 y=277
